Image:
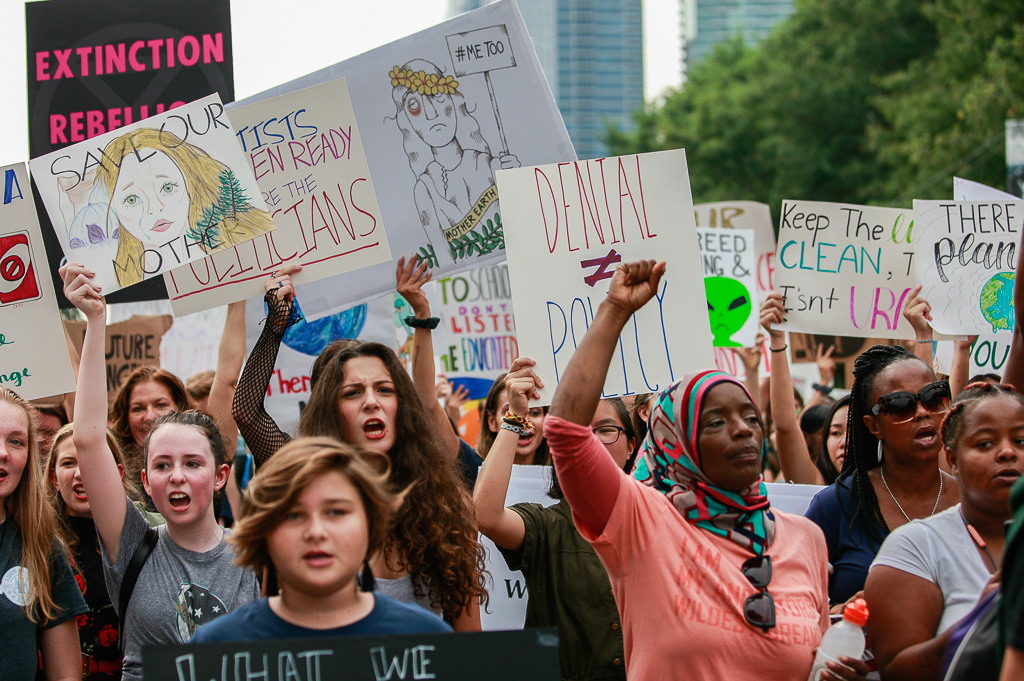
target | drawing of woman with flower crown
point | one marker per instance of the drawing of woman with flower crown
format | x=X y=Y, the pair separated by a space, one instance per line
x=455 y=193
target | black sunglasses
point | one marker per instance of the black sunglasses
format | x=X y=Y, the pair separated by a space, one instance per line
x=901 y=406
x=759 y=609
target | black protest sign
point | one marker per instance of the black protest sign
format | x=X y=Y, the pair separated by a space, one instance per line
x=495 y=656
x=97 y=65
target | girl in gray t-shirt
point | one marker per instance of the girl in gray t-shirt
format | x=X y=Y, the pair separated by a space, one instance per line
x=190 y=577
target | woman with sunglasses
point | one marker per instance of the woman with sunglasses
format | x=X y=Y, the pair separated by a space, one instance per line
x=694 y=552
x=890 y=473
x=568 y=587
x=930 y=573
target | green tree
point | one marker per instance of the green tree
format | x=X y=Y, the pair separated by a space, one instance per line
x=945 y=113
x=816 y=110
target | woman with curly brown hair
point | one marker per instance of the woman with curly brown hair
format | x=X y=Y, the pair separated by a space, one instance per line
x=362 y=396
x=431 y=555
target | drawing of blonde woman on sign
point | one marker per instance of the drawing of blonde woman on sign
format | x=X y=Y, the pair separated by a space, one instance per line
x=161 y=190
x=455 y=193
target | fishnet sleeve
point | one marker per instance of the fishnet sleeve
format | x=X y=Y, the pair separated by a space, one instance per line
x=261 y=433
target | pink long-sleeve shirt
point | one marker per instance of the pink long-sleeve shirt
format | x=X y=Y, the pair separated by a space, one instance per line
x=679 y=588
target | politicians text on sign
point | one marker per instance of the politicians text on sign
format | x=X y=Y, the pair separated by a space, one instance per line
x=570 y=225
x=306 y=155
x=845 y=269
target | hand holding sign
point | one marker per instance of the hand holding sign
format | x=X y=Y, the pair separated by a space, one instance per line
x=410 y=277
x=773 y=313
x=918 y=312
x=82 y=292
x=280 y=282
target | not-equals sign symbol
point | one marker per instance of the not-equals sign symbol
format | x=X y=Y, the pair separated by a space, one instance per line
x=602 y=265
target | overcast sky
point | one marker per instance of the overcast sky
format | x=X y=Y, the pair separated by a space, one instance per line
x=272 y=46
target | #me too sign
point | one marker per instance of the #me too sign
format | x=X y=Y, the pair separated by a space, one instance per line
x=569 y=227
x=439 y=112
x=845 y=269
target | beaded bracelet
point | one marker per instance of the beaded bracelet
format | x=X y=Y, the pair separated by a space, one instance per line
x=517 y=420
x=516 y=429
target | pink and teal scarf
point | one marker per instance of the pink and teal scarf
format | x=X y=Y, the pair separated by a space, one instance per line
x=670 y=462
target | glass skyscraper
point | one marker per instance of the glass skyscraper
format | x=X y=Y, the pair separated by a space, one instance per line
x=592 y=55
x=707 y=22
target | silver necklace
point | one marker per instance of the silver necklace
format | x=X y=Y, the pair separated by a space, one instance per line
x=937 y=497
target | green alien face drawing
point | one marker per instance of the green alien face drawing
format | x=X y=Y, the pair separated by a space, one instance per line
x=728 y=307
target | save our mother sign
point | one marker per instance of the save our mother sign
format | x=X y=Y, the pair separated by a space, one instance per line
x=845 y=269
x=569 y=227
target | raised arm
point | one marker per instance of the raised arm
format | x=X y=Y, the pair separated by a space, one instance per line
x=69 y=398
x=960 y=372
x=796 y=462
x=579 y=391
x=751 y=358
x=918 y=312
x=1014 y=371
x=99 y=471
x=502 y=525
x=230 y=356
x=261 y=433
x=588 y=476
x=410 y=277
x=826 y=374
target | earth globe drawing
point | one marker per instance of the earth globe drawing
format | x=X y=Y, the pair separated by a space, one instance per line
x=310 y=338
x=996 y=302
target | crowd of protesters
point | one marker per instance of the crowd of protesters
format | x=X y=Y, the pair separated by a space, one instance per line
x=660 y=557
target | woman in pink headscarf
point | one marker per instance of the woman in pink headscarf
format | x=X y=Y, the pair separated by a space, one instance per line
x=711 y=582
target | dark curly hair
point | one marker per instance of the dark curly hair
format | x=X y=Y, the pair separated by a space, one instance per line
x=433 y=534
x=861 y=445
x=969 y=397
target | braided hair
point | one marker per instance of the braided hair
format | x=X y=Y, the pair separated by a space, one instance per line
x=972 y=394
x=861 y=445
